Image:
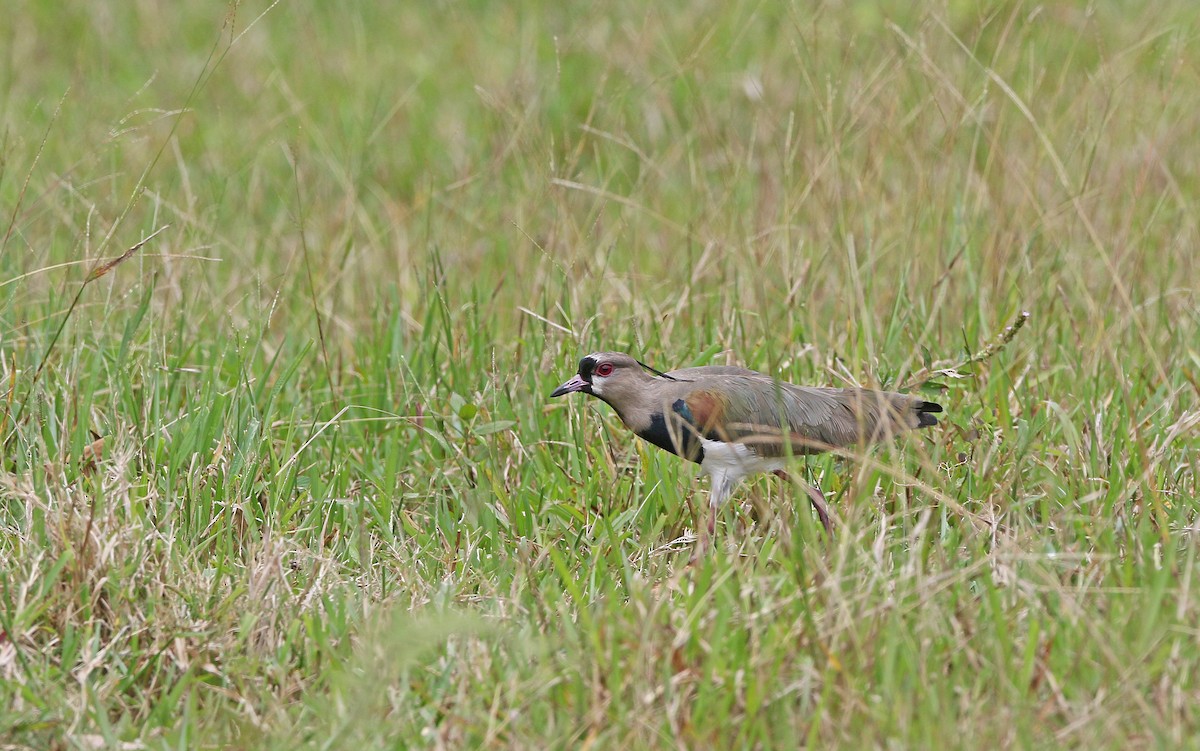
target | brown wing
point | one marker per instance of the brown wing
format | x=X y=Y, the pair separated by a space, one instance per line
x=777 y=418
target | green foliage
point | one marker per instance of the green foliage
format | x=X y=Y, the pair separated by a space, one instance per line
x=287 y=475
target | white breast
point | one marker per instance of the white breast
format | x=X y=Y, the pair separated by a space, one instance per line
x=727 y=463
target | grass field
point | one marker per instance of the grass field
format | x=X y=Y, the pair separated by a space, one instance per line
x=286 y=476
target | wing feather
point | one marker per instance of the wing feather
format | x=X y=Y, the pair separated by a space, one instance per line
x=776 y=418
x=733 y=404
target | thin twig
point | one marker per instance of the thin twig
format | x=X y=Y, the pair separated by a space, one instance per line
x=312 y=288
x=99 y=270
x=948 y=368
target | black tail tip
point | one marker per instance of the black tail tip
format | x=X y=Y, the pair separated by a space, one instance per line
x=924 y=418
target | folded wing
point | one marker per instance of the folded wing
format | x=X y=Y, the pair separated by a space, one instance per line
x=776 y=418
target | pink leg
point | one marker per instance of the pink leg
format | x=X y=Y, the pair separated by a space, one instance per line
x=706 y=537
x=818 y=501
x=722 y=486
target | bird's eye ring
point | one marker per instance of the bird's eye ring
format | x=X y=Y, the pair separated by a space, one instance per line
x=604 y=369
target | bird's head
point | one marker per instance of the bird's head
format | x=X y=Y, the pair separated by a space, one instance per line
x=615 y=377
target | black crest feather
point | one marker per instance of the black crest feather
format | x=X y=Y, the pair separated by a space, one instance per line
x=655 y=371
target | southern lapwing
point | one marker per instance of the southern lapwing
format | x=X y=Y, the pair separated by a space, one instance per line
x=736 y=422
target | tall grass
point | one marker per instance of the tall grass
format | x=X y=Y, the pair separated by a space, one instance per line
x=289 y=478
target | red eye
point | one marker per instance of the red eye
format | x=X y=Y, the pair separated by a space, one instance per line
x=604 y=369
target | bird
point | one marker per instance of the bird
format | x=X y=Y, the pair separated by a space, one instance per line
x=735 y=422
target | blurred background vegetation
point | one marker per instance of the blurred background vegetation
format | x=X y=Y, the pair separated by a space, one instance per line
x=287 y=474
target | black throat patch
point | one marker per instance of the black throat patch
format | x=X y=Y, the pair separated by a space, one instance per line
x=666 y=436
